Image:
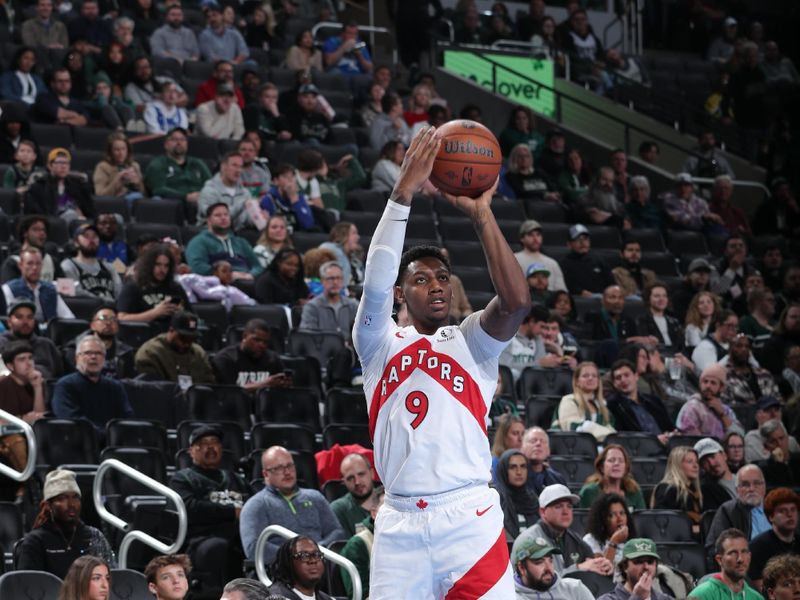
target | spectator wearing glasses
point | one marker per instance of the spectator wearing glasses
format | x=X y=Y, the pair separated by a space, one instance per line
x=282 y=502
x=297 y=570
x=87 y=393
x=58 y=105
x=213 y=497
x=61 y=193
x=734 y=451
x=119 y=355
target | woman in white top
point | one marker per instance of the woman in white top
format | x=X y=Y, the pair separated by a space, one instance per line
x=304 y=55
x=19 y=82
x=699 y=315
x=164 y=114
x=608 y=526
x=387 y=169
x=585 y=409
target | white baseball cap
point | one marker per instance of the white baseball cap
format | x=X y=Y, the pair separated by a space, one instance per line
x=707 y=447
x=555 y=492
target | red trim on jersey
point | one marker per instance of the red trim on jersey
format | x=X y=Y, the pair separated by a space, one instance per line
x=484 y=574
x=470 y=397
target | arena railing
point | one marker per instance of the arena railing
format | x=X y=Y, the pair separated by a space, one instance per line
x=562 y=98
x=261 y=569
x=113 y=464
x=24 y=429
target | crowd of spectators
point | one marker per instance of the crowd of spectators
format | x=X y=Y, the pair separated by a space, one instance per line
x=714 y=353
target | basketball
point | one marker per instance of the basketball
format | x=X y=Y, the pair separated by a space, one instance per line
x=468 y=161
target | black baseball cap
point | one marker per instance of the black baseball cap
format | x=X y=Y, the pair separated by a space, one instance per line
x=185 y=323
x=204 y=431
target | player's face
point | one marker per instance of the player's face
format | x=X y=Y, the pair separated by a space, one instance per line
x=427 y=293
x=558 y=514
x=171 y=583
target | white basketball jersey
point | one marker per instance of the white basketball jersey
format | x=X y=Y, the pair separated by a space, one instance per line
x=428 y=397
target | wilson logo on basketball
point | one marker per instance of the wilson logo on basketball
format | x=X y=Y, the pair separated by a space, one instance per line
x=466 y=147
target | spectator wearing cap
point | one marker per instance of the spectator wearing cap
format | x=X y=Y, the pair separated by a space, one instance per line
x=176 y=355
x=93 y=277
x=57 y=105
x=706 y=160
x=58 y=536
x=87 y=393
x=781 y=506
x=531 y=238
x=716 y=482
x=705 y=413
x=43 y=295
x=722 y=47
x=346 y=53
x=535 y=573
x=226 y=188
x=22 y=327
x=220 y=118
x=746 y=383
x=251 y=364
x=163 y=114
x=538 y=281
x=282 y=502
x=223 y=73
x=214 y=497
x=218 y=242
x=176 y=174
x=584 y=274
x=768 y=408
x=22 y=395
x=220 y=42
x=639 y=570
x=687 y=210
x=306 y=122
x=31 y=232
x=173 y=40
x=104 y=323
x=732 y=554
x=60 y=192
x=556 y=505
x=782 y=465
x=697 y=280
x=630 y=275
x=778 y=214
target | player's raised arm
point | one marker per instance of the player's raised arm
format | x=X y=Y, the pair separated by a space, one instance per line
x=505 y=312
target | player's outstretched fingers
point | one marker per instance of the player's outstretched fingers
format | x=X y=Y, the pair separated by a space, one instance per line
x=419 y=141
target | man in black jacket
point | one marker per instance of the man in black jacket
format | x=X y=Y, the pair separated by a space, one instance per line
x=584 y=274
x=67 y=195
x=745 y=513
x=717 y=482
x=635 y=411
x=214 y=498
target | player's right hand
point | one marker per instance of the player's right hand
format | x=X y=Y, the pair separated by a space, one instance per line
x=417 y=164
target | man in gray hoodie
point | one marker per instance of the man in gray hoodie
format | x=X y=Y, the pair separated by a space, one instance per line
x=638 y=567
x=535 y=576
x=226 y=187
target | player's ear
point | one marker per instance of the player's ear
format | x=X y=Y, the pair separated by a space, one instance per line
x=399 y=297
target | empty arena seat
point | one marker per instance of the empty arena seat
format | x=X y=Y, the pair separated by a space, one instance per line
x=29 y=584
x=663 y=525
x=65 y=441
x=572 y=443
x=288 y=435
x=289 y=405
x=220 y=403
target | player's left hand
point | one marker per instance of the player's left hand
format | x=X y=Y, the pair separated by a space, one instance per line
x=473 y=207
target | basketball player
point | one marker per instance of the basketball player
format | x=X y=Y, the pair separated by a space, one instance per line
x=429 y=386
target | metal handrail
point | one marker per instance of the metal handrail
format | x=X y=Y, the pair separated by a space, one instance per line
x=261 y=569
x=27 y=431
x=137 y=535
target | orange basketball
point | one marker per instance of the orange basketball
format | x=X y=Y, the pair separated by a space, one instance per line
x=468 y=161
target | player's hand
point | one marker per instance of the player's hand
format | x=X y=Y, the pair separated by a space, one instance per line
x=417 y=165
x=474 y=207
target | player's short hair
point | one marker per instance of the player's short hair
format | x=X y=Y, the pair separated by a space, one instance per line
x=159 y=562
x=416 y=253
